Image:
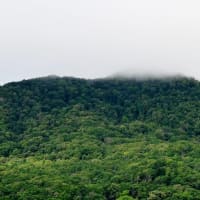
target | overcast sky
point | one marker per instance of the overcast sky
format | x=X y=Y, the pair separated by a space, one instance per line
x=96 y=38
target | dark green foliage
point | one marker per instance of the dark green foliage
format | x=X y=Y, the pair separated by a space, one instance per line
x=107 y=139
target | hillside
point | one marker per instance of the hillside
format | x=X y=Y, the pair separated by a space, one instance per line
x=103 y=139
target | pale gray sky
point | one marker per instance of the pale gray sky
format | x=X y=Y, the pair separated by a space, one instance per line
x=96 y=38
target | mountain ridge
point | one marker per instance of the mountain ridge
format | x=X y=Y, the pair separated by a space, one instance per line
x=119 y=76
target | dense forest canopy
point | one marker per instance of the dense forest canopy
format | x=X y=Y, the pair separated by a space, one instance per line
x=116 y=138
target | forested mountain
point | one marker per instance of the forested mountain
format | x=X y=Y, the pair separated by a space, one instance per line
x=103 y=139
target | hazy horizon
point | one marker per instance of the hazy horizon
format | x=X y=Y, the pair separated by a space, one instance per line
x=94 y=39
x=118 y=75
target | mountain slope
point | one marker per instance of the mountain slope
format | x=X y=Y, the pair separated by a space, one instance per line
x=68 y=138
